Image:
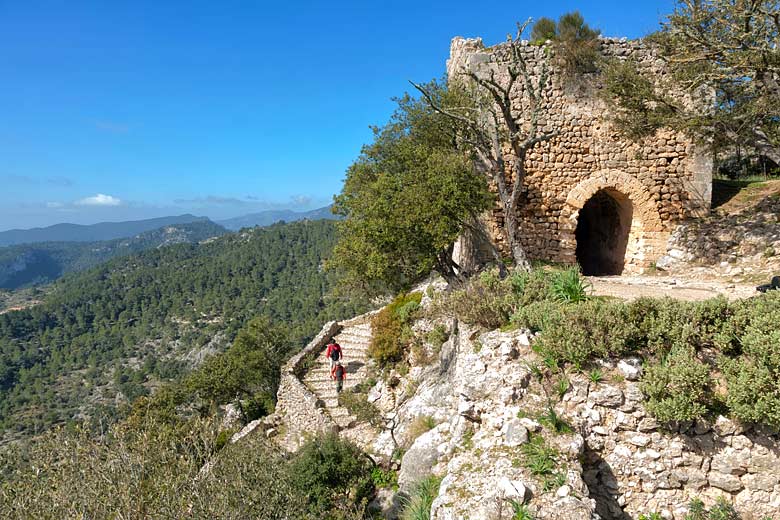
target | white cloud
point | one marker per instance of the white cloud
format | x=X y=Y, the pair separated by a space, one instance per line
x=99 y=200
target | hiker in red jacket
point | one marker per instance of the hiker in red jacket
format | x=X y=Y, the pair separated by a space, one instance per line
x=338 y=373
x=333 y=352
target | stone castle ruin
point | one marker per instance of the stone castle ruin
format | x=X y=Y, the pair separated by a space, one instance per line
x=591 y=195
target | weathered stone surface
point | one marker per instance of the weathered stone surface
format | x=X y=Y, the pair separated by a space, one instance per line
x=663 y=182
x=608 y=396
x=725 y=482
x=420 y=458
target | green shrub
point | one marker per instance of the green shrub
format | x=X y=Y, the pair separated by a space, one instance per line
x=384 y=478
x=753 y=378
x=722 y=510
x=486 y=301
x=538 y=316
x=593 y=329
x=356 y=402
x=569 y=286
x=679 y=388
x=391 y=334
x=438 y=336
x=259 y=405
x=418 y=505
x=333 y=473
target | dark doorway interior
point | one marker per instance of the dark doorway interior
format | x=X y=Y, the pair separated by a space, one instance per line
x=602 y=233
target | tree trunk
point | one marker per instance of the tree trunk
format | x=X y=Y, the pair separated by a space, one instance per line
x=448 y=269
x=518 y=252
x=765 y=147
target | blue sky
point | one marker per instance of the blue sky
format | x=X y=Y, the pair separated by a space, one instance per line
x=127 y=110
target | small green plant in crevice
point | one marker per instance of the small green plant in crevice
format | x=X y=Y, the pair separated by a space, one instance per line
x=554 y=422
x=520 y=511
x=538 y=457
x=553 y=482
x=385 y=478
x=437 y=336
x=418 y=505
x=651 y=516
x=420 y=425
x=476 y=346
x=467 y=441
x=722 y=510
x=596 y=375
x=562 y=386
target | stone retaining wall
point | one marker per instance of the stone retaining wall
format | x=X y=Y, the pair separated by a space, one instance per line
x=634 y=465
x=296 y=405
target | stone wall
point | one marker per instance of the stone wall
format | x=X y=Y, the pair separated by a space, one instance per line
x=296 y=406
x=664 y=178
x=634 y=466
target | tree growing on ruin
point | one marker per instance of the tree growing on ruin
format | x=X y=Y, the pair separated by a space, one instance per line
x=406 y=199
x=499 y=119
x=722 y=51
x=574 y=44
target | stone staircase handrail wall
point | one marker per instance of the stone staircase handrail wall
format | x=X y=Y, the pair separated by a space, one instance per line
x=294 y=402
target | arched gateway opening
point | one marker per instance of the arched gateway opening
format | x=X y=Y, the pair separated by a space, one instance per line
x=602 y=233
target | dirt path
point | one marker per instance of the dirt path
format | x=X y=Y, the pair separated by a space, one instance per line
x=632 y=287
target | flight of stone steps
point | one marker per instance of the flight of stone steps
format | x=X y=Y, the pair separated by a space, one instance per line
x=354 y=340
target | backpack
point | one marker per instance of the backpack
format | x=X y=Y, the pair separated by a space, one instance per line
x=335 y=352
x=339 y=372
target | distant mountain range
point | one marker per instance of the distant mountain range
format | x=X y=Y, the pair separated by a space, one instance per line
x=266 y=218
x=42 y=262
x=93 y=232
x=34 y=256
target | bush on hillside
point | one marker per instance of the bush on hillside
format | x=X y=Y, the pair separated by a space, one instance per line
x=155 y=471
x=679 y=388
x=333 y=473
x=578 y=333
x=753 y=378
x=489 y=302
x=391 y=332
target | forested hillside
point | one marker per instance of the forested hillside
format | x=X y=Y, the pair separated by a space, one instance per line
x=29 y=264
x=114 y=332
x=92 y=232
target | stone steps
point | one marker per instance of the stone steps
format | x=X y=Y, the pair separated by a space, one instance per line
x=354 y=341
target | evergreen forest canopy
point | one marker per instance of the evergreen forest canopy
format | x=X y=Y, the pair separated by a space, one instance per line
x=132 y=322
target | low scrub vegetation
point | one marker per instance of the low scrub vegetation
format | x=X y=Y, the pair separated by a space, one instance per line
x=356 y=401
x=700 y=357
x=418 y=505
x=156 y=472
x=392 y=333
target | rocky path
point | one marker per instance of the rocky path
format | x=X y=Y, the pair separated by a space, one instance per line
x=632 y=287
x=354 y=340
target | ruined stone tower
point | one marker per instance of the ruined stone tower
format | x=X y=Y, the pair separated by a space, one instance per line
x=591 y=195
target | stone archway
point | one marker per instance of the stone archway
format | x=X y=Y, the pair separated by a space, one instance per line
x=603 y=226
x=634 y=236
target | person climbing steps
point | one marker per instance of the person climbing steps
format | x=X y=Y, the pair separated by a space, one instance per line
x=333 y=352
x=338 y=373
